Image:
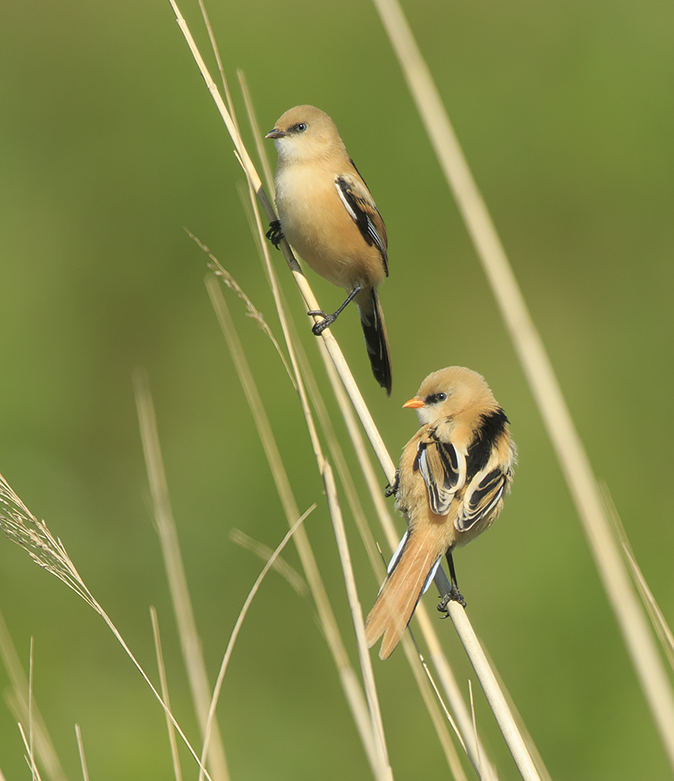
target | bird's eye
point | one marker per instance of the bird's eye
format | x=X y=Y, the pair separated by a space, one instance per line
x=436 y=398
x=302 y=127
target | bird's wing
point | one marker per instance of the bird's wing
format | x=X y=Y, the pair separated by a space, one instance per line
x=363 y=211
x=443 y=468
x=482 y=496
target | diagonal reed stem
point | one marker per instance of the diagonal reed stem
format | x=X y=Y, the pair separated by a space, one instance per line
x=540 y=374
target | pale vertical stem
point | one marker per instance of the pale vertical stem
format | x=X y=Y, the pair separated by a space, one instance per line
x=190 y=641
x=352 y=690
x=165 y=693
x=80 y=748
x=540 y=374
x=493 y=692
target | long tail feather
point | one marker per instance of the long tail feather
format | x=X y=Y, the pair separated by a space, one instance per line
x=404 y=586
x=376 y=341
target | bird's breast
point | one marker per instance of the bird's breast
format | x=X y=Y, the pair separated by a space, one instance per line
x=319 y=228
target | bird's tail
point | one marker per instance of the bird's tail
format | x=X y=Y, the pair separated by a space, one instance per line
x=410 y=573
x=376 y=341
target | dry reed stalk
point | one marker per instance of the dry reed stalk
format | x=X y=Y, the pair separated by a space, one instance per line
x=34 y=773
x=165 y=693
x=190 y=642
x=239 y=623
x=658 y=620
x=80 y=748
x=348 y=678
x=539 y=372
x=255 y=183
x=44 y=748
x=34 y=536
x=383 y=769
x=262 y=551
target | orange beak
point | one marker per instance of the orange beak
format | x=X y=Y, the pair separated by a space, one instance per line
x=414 y=403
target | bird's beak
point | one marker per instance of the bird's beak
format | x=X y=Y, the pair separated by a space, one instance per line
x=414 y=403
x=275 y=133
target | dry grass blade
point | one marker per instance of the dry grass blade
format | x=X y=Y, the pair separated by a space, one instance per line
x=23 y=528
x=221 y=272
x=539 y=372
x=326 y=616
x=177 y=772
x=34 y=773
x=264 y=552
x=239 y=623
x=175 y=572
x=495 y=697
x=656 y=615
x=80 y=748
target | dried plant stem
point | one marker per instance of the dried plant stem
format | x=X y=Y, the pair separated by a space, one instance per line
x=165 y=693
x=34 y=536
x=348 y=678
x=540 y=374
x=383 y=769
x=175 y=573
x=80 y=748
x=239 y=624
x=493 y=693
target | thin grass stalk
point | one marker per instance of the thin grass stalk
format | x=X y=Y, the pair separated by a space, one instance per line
x=264 y=552
x=177 y=772
x=34 y=536
x=540 y=375
x=658 y=620
x=80 y=749
x=17 y=703
x=348 y=678
x=31 y=751
x=190 y=642
x=34 y=773
x=384 y=770
x=494 y=695
x=239 y=623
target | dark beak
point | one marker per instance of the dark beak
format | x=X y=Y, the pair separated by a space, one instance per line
x=275 y=133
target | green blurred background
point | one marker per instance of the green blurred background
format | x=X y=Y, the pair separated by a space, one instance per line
x=111 y=144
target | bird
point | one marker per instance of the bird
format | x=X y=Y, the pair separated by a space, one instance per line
x=327 y=214
x=453 y=476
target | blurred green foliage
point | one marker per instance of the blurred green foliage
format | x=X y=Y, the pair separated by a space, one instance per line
x=111 y=144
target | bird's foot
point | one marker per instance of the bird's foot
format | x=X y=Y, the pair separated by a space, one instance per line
x=453 y=595
x=318 y=328
x=392 y=490
x=275 y=234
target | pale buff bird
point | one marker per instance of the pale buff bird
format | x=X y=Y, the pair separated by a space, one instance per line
x=453 y=477
x=330 y=218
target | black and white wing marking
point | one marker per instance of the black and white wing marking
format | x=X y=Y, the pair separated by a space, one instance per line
x=363 y=211
x=443 y=469
x=482 y=497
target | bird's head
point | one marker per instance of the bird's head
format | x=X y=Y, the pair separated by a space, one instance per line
x=305 y=133
x=449 y=392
